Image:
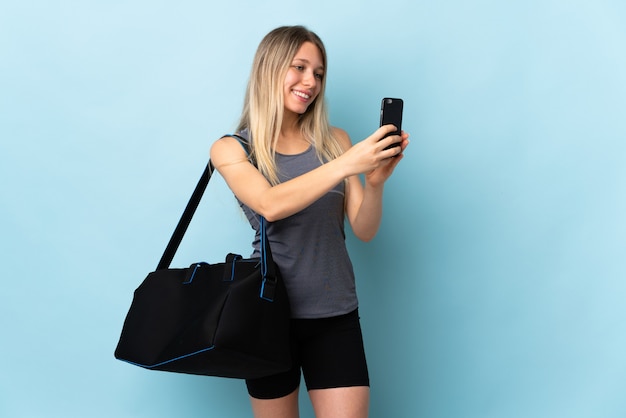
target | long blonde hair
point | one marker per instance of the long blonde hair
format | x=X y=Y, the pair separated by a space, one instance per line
x=263 y=106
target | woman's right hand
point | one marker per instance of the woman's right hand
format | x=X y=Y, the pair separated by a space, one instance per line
x=370 y=154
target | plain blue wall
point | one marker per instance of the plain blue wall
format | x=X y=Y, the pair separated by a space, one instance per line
x=496 y=285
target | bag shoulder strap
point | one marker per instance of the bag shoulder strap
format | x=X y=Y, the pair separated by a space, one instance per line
x=190 y=210
x=185 y=219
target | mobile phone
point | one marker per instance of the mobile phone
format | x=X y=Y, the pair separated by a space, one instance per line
x=391 y=113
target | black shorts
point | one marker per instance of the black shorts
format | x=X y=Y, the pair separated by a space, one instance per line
x=330 y=353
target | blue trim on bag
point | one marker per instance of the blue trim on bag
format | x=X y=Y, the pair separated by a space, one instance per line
x=193 y=273
x=263 y=249
x=169 y=361
x=232 y=269
x=264 y=261
x=263 y=292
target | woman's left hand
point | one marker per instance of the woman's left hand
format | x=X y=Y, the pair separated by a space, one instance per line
x=379 y=175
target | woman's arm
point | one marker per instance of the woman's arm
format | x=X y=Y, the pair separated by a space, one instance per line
x=364 y=205
x=285 y=199
x=253 y=189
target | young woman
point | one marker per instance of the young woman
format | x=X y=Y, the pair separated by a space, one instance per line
x=302 y=175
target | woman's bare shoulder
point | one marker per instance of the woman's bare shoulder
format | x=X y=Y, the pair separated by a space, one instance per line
x=342 y=136
x=226 y=150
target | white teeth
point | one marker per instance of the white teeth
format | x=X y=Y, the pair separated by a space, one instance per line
x=300 y=94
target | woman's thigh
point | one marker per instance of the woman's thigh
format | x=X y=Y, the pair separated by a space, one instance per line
x=348 y=402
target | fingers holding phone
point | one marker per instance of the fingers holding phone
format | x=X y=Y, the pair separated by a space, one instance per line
x=388 y=137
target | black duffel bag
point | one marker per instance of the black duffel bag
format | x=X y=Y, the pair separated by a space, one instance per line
x=229 y=319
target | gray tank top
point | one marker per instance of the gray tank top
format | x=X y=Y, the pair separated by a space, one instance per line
x=309 y=247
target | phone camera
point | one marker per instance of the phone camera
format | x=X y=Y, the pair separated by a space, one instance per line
x=389 y=101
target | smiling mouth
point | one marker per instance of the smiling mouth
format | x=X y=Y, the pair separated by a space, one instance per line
x=301 y=94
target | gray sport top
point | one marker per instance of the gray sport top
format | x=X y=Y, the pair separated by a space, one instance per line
x=309 y=247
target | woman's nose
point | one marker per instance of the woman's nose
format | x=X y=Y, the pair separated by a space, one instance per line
x=309 y=79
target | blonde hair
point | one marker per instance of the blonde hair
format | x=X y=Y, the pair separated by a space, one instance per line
x=263 y=106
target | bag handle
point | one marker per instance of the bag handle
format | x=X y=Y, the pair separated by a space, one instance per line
x=267 y=262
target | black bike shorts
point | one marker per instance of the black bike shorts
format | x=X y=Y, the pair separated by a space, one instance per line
x=330 y=353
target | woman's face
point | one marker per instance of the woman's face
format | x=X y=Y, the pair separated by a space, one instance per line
x=304 y=78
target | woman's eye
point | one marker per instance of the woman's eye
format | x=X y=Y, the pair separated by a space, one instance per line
x=319 y=76
x=299 y=67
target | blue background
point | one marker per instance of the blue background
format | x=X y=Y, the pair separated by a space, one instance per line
x=496 y=285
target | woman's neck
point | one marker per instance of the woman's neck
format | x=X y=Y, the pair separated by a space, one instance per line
x=290 y=139
x=290 y=124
